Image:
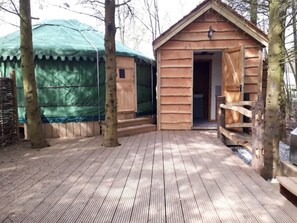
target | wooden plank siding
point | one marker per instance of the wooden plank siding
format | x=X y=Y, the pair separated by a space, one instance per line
x=252 y=68
x=176 y=88
x=175 y=66
x=70 y=129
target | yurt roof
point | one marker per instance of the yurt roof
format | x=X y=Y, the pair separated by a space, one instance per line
x=63 y=39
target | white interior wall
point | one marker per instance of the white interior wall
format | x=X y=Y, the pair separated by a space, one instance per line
x=216 y=77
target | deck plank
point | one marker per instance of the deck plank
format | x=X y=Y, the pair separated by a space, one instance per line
x=125 y=206
x=25 y=199
x=30 y=159
x=94 y=204
x=157 y=199
x=189 y=206
x=108 y=208
x=193 y=168
x=218 y=199
x=86 y=159
x=164 y=176
x=256 y=195
x=226 y=182
x=22 y=176
x=77 y=206
x=140 y=210
x=234 y=177
x=174 y=212
x=263 y=186
x=61 y=206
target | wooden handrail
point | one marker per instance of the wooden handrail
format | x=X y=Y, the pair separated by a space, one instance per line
x=239 y=125
x=241 y=103
x=239 y=109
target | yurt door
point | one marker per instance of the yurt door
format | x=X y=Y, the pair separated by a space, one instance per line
x=125 y=87
x=232 y=80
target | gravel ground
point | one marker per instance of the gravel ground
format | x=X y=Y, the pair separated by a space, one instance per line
x=246 y=156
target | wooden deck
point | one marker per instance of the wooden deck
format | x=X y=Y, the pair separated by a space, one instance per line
x=168 y=176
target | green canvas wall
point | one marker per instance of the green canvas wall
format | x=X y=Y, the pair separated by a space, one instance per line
x=68 y=92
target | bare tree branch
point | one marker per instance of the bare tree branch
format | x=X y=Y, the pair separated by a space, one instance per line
x=121 y=4
x=100 y=17
x=10 y=11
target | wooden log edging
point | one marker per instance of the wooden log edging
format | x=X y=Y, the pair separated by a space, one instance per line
x=8 y=112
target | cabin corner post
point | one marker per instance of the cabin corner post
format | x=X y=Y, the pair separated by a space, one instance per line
x=158 y=90
x=221 y=123
x=258 y=136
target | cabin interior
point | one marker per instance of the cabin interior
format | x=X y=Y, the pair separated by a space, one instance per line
x=207 y=85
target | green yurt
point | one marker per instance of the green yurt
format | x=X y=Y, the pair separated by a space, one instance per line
x=70 y=76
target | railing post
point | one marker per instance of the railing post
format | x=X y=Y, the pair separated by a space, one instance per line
x=258 y=136
x=246 y=97
x=221 y=117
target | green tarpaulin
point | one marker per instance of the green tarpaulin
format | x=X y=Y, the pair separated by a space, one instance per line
x=63 y=39
x=66 y=71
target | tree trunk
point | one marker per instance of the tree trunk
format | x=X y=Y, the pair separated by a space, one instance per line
x=35 y=130
x=111 y=120
x=254 y=11
x=277 y=13
x=257 y=136
x=295 y=38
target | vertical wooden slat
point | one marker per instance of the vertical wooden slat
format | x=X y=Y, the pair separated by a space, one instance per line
x=26 y=131
x=69 y=129
x=96 y=129
x=55 y=130
x=90 y=129
x=48 y=130
x=62 y=130
x=84 y=129
x=77 y=129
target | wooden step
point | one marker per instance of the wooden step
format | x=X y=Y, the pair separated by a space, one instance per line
x=138 y=129
x=288 y=169
x=133 y=122
x=129 y=114
x=127 y=127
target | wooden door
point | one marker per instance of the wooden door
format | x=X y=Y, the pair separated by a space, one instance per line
x=126 y=86
x=232 y=80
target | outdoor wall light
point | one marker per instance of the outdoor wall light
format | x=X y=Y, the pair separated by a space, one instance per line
x=210 y=32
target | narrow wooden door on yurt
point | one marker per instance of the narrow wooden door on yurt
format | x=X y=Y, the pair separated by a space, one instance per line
x=126 y=87
x=232 y=80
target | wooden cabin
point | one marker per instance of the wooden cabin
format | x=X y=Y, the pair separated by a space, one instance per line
x=212 y=51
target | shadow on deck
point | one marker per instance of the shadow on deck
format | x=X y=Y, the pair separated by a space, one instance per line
x=169 y=176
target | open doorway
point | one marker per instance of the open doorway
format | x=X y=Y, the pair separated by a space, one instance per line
x=201 y=91
x=207 y=85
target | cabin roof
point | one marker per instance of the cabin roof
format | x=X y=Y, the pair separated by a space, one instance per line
x=221 y=8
